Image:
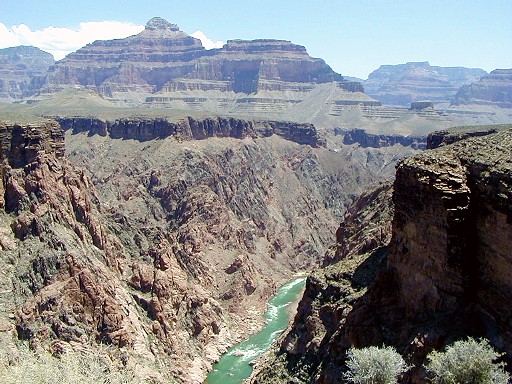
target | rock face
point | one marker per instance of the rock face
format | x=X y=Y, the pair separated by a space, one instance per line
x=192 y=129
x=365 y=139
x=405 y=83
x=22 y=71
x=162 y=56
x=446 y=137
x=448 y=271
x=493 y=89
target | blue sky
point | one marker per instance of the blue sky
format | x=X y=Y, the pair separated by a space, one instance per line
x=353 y=37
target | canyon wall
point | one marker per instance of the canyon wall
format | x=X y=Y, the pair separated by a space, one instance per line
x=493 y=89
x=366 y=139
x=143 y=129
x=448 y=272
x=405 y=83
x=23 y=71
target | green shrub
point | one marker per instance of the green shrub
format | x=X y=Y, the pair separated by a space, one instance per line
x=374 y=365
x=69 y=368
x=467 y=362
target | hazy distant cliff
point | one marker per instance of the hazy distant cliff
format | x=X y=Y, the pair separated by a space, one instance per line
x=23 y=71
x=404 y=83
x=495 y=88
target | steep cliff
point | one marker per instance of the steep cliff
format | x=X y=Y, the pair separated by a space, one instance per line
x=163 y=56
x=440 y=138
x=350 y=266
x=144 y=129
x=163 y=66
x=448 y=271
x=366 y=139
x=493 y=89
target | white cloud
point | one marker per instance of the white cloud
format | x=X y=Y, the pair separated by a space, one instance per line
x=206 y=41
x=61 y=41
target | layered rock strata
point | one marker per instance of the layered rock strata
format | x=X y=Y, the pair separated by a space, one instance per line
x=163 y=66
x=144 y=129
x=405 y=83
x=441 y=138
x=162 y=56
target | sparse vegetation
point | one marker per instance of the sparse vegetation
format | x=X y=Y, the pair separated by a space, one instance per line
x=467 y=362
x=69 y=368
x=374 y=365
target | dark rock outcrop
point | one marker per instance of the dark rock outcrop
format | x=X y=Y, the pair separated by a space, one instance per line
x=23 y=70
x=20 y=145
x=419 y=105
x=365 y=139
x=493 y=89
x=144 y=129
x=405 y=83
x=452 y=135
x=447 y=276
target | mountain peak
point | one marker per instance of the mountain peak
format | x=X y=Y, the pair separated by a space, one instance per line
x=160 y=23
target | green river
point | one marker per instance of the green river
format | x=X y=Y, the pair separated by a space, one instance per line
x=234 y=366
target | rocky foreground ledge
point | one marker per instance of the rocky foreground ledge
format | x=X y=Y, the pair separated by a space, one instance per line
x=447 y=275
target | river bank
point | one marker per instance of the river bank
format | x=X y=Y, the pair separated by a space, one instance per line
x=235 y=366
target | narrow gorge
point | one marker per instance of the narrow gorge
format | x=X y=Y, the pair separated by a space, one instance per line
x=165 y=239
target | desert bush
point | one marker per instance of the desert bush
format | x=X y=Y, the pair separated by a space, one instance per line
x=374 y=365
x=69 y=368
x=467 y=362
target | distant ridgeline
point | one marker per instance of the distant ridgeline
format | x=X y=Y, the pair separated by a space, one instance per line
x=163 y=66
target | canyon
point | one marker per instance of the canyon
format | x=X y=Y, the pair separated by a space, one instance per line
x=164 y=68
x=154 y=195
x=164 y=239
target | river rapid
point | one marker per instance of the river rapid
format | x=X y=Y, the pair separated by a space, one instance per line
x=234 y=366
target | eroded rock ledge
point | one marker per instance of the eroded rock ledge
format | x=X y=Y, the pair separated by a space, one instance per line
x=365 y=139
x=144 y=129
